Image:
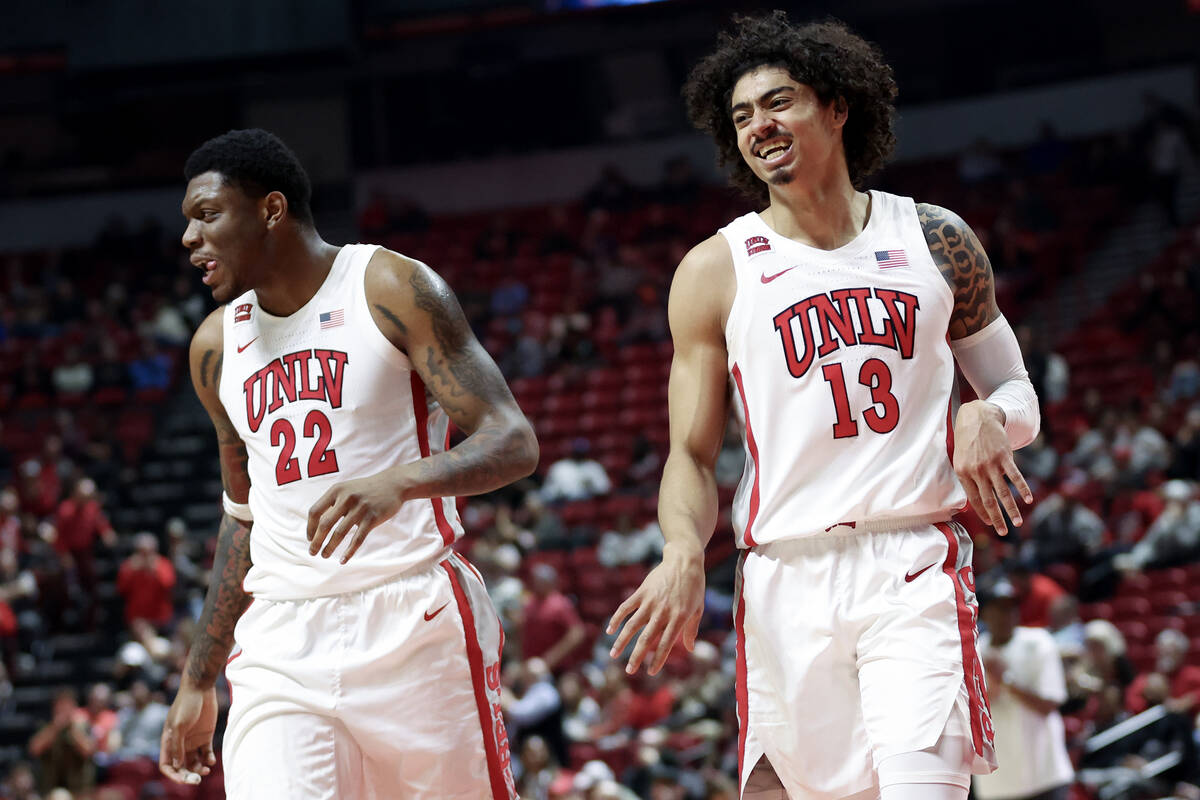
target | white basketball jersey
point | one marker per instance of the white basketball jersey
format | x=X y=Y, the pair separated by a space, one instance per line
x=843 y=376
x=321 y=397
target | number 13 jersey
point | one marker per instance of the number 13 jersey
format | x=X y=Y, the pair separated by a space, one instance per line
x=321 y=397
x=842 y=379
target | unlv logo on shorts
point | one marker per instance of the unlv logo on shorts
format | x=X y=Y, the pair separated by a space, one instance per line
x=757 y=244
x=241 y=313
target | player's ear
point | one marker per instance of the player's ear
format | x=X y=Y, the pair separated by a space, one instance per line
x=274 y=208
x=841 y=110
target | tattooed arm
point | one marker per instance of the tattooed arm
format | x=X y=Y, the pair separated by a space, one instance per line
x=419 y=315
x=186 y=749
x=1006 y=416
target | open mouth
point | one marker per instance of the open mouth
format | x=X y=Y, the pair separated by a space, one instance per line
x=773 y=151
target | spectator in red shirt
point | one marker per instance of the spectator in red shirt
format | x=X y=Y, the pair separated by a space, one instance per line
x=145 y=581
x=101 y=719
x=551 y=627
x=1183 y=680
x=1037 y=593
x=78 y=522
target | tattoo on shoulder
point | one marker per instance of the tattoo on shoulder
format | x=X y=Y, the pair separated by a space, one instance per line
x=454 y=369
x=964 y=265
x=207 y=357
x=392 y=318
x=217 y=370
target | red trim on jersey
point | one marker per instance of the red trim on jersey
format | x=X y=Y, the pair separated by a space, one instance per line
x=753 y=447
x=421 y=412
x=950 y=414
x=475 y=658
x=976 y=692
x=742 y=692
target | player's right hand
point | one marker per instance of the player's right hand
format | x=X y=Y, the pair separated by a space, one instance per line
x=667 y=605
x=186 y=752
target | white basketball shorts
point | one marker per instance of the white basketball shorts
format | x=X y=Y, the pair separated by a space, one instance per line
x=854 y=646
x=392 y=692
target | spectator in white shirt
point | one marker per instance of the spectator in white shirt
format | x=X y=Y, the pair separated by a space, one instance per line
x=626 y=544
x=575 y=477
x=1026 y=687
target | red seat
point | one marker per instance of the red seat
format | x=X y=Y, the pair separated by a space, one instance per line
x=1131 y=607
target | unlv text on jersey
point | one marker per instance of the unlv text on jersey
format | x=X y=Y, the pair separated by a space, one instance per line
x=287 y=379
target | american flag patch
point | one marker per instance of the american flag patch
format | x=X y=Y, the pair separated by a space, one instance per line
x=332 y=319
x=890 y=259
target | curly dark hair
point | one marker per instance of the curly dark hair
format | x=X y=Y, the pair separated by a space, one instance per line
x=257 y=162
x=829 y=57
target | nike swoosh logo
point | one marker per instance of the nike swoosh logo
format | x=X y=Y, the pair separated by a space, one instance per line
x=242 y=347
x=429 y=616
x=910 y=577
x=765 y=279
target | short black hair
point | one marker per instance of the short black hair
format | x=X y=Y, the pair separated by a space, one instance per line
x=829 y=57
x=257 y=162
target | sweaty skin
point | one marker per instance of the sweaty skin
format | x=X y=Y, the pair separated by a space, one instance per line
x=793 y=143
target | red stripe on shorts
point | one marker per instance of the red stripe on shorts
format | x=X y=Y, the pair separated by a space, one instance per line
x=752 y=446
x=421 y=412
x=741 y=689
x=475 y=659
x=966 y=635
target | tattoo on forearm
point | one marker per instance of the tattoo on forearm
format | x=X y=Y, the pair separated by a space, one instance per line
x=965 y=266
x=224 y=604
x=482 y=462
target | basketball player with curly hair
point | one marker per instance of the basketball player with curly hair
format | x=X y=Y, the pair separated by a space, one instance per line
x=831 y=321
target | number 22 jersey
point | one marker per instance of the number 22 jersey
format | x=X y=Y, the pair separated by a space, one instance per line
x=321 y=397
x=842 y=379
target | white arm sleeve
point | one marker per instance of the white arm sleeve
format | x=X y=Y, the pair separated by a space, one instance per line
x=991 y=361
x=236 y=510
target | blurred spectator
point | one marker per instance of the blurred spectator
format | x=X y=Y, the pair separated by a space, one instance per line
x=627 y=544
x=1149 y=450
x=141 y=723
x=1025 y=688
x=1104 y=661
x=64 y=747
x=1181 y=681
x=79 y=522
x=152 y=369
x=39 y=486
x=110 y=371
x=498 y=240
x=509 y=296
x=550 y=627
x=581 y=712
x=533 y=707
x=19 y=784
x=144 y=656
x=1173 y=538
x=575 y=477
x=101 y=721
x=1166 y=154
x=1186 y=464
x=1065 y=625
x=1035 y=593
x=1047 y=154
x=191 y=580
x=1064 y=529
x=145 y=581
x=556 y=234
x=1038 y=462
x=73 y=375
x=645 y=466
x=536 y=769
x=647 y=321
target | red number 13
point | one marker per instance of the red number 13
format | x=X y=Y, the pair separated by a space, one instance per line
x=875 y=375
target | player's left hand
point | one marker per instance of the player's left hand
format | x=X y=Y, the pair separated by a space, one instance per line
x=983 y=460
x=364 y=502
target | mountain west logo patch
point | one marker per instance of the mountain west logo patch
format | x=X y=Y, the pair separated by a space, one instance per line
x=241 y=313
x=757 y=244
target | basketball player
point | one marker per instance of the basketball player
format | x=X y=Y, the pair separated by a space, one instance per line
x=831 y=320
x=367 y=653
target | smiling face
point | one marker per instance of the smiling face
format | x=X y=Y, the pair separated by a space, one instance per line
x=226 y=234
x=783 y=129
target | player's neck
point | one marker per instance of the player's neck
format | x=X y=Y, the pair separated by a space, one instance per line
x=823 y=214
x=300 y=264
